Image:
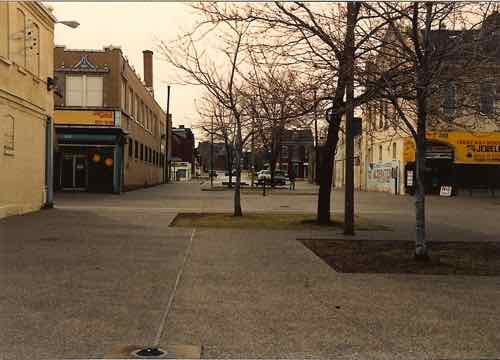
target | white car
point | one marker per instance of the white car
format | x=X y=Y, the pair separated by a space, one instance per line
x=264 y=176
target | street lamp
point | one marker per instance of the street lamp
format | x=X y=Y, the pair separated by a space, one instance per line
x=167 y=166
x=212 y=154
x=166 y=172
x=69 y=23
x=316 y=152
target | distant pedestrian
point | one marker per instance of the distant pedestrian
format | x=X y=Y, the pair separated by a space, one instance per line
x=292 y=180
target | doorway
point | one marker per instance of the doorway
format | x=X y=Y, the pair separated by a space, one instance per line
x=74 y=172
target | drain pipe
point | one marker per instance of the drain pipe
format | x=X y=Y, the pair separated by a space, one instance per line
x=49 y=163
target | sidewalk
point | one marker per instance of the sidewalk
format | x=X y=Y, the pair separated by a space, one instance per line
x=263 y=295
x=93 y=277
x=80 y=283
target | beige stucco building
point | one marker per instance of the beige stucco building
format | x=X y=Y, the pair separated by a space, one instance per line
x=463 y=128
x=26 y=103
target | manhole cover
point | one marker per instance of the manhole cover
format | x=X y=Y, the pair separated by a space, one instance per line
x=150 y=353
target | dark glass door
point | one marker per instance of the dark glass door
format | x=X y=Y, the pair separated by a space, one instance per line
x=74 y=171
x=67 y=171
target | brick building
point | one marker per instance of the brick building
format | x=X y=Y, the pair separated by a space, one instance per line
x=220 y=156
x=110 y=129
x=294 y=152
x=183 y=145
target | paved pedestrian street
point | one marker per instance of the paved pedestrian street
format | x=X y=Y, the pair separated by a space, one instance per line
x=102 y=275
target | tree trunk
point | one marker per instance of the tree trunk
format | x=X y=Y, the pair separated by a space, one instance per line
x=349 y=119
x=421 y=252
x=326 y=158
x=237 y=192
x=272 y=167
x=275 y=153
x=229 y=164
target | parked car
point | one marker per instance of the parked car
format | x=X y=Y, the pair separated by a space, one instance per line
x=264 y=176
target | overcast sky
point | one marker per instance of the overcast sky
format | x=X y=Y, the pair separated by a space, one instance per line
x=135 y=27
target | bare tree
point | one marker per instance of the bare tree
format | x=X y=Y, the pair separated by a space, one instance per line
x=277 y=97
x=221 y=79
x=217 y=121
x=418 y=54
x=327 y=41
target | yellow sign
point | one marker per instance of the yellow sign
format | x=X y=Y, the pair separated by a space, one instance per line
x=79 y=117
x=469 y=147
x=409 y=150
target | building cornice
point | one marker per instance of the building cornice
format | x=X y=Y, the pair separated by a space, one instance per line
x=42 y=13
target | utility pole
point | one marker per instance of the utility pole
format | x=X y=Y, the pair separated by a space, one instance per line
x=349 y=143
x=253 y=153
x=49 y=163
x=316 y=162
x=212 y=154
x=166 y=168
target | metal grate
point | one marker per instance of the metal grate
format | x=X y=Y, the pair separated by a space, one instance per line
x=150 y=353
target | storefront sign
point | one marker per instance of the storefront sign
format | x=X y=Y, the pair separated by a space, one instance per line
x=78 y=117
x=445 y=191
x=468 y=147
x=382 y=176
x=409 y=178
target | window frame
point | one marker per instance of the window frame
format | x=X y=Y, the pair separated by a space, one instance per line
x=284 y=151
x=484 y=93
x=22 y=52
x=84 y=89
x=4 y=15
x=32 y=52
x=9 y=135
x=130 y=104
x=381 y=116
x=450 y=101
x=124 y=95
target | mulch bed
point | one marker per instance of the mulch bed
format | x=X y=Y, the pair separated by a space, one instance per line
x=269 y=221
x=396 y=257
